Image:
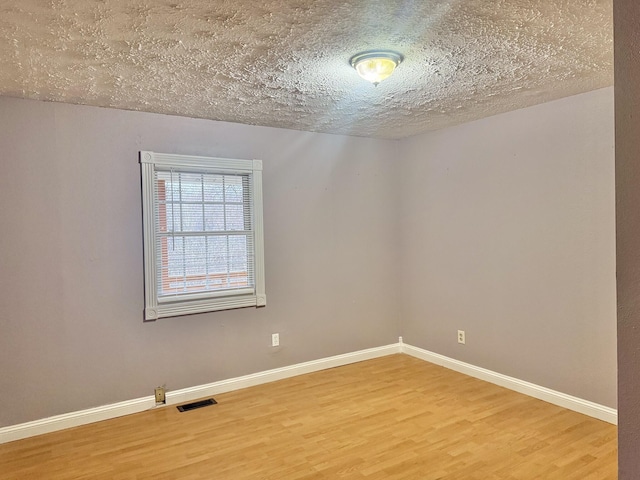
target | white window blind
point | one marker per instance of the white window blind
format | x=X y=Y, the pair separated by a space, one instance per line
x=203 y=234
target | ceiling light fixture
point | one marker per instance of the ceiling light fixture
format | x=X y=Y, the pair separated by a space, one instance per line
x=376 y=65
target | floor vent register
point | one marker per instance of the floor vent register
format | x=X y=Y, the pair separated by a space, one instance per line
x=199 y=404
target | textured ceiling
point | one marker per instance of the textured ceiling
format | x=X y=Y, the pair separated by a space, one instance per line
x=285 y=63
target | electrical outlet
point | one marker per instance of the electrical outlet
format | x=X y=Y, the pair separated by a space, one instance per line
x=461 y=338
x=275 y=339
x=160 y=395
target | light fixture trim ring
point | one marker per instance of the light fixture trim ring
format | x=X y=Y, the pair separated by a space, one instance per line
x=395 y=57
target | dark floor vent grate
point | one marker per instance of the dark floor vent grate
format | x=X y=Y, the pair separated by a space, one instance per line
x=192 y=406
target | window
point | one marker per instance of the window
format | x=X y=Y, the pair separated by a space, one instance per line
x=203 y=240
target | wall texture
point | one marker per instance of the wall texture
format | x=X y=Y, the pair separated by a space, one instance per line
x=627 y=104
x=71 y=288
x=507 y=226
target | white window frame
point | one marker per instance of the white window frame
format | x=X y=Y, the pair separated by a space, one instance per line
x=209 y=301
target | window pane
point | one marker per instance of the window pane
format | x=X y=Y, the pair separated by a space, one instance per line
x=166 y=220
x=175 y=254
x=173 y=217
x=172 y=188
x=195 y=255
x=217 y=254
x=191 y=184
x=233 y=189
x=235 y=217
x=213 y=188
x=192 y=220
x=214 y=217
x=238 y=253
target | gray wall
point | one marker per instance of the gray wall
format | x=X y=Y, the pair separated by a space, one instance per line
x=505 y=225
x=508 y=233
x=627 y=79
x=71 y=291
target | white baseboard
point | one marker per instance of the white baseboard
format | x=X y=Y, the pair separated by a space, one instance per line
x=75 y=419
x=83 y=417
x=188 y=394
x=569 y=402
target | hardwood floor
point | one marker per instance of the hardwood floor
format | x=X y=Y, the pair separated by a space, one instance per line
x=394 y=417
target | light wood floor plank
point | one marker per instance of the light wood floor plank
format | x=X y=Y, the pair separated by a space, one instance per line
x=394 y=417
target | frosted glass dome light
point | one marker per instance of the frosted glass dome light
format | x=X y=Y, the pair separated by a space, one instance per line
x=376 y=65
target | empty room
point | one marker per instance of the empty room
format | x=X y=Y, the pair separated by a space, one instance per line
x=364 y=240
